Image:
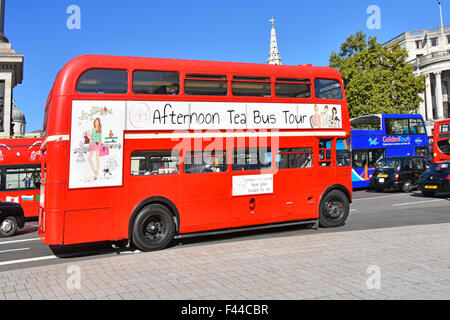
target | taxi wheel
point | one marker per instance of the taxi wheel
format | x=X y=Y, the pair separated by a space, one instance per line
x=407 y=186
x=8 y=227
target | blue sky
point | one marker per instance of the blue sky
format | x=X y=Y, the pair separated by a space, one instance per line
x=232 y=30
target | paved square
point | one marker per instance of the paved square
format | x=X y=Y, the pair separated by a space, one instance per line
x=410 y=262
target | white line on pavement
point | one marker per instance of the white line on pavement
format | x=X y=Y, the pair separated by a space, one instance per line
x=417 y=202
x=373 y=198
x=27 y=260
x=11 y=250
x=17 y=241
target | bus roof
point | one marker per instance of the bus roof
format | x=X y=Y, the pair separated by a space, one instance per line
x=65 y=81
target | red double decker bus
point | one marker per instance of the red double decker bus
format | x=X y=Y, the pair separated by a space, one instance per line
x=150 y=149
x=20 y=172
x=441 y=140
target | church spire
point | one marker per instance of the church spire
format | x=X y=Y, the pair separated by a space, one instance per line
x=274 y=56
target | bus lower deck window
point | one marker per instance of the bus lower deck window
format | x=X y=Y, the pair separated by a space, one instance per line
x=146 y=163
x=290 y=158
x=248 y=159
x=205 y=162
x=325 y=152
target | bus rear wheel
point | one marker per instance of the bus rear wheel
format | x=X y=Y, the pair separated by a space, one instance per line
x=153 y=228
x=334 y=209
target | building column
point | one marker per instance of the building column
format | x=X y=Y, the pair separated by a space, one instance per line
x=429 y=101
x=422 y=110
x=438 y=94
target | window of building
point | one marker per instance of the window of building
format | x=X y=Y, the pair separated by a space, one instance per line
x=290 y=158
x=248 y=159
x=103 y=81
x=156 y=82
x=244 y=86
x=448 y=38
x=434 y=42
x=204 y=161
x=325 y=152
x=293 y=88
x=145 y=163
x=206 y=85
x=328 y=89
x=28 y=178
x=419 y=44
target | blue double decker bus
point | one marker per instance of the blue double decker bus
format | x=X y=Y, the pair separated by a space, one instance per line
x=377 y=136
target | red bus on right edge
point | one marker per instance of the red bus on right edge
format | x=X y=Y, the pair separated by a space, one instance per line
x=152 y=149
x=441 y=140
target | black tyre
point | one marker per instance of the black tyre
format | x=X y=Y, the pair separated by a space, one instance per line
x=8 y=227
x=153 y=228
x=334 y=209
x=407 y=186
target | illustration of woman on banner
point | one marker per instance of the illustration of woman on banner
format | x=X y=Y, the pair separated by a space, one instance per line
x=315 y=119
x=95 y=146
x=335 y=122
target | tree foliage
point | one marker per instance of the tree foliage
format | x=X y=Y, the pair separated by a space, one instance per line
x=377 y=78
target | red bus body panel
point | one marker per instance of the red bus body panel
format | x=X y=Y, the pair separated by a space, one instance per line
x=438 y=136
x=203 y=202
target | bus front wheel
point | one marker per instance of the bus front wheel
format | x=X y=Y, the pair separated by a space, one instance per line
x=153 y=228
x=334 y=209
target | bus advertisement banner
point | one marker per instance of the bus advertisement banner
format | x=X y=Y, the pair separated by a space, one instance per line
x=157 y=115
x=96 y=144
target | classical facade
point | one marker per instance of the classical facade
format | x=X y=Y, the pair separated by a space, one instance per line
x=11 y=74
x=429 y=54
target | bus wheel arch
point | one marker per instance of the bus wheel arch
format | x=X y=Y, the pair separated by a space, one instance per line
x=169 y=205
x=334 y=206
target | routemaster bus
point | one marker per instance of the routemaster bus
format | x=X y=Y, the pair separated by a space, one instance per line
x=20 y=172
x=377 y=136
x=441 y=140
x=151 y=149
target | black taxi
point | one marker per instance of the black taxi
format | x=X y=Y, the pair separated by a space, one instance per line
x=398 y=173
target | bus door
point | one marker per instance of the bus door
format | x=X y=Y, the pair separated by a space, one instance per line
x=343 y=161
x=253 y=201
x=206 y=191
x=326 y=171
x=294 y=180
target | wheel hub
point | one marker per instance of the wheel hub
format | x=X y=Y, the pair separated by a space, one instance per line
x=334 y=209
x=6 y=226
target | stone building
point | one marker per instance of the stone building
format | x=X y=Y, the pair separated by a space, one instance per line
x=429 y=54
x=11 y=74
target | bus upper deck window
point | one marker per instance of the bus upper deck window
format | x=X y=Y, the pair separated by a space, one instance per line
x=328 y=89
x=243 y=86
x=156 y=82
x=103 y=81
x=293 y=88
x=206 y=85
